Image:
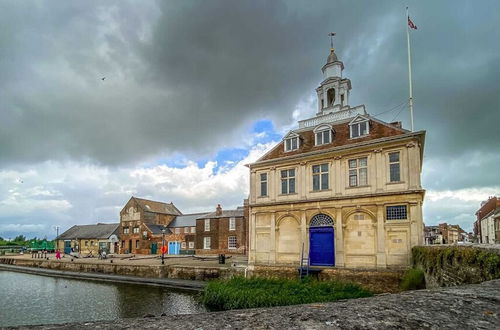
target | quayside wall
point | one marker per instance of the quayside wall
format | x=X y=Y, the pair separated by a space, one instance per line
x=375 y=280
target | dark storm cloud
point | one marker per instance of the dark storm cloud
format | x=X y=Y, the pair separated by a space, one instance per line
x=188 y=75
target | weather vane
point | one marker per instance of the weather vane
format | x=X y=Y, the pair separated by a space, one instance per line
x=331 y=34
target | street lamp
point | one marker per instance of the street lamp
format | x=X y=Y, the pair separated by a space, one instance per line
x=163 y=245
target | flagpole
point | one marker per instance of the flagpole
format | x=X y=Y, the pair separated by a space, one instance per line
x=409 y=69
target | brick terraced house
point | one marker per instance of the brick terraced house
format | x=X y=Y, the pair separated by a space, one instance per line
x=222 y=231
x=343 y=189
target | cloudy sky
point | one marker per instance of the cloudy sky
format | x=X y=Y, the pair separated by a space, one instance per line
x=167 y=100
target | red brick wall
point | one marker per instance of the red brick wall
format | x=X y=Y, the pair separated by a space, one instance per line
x=219 y=233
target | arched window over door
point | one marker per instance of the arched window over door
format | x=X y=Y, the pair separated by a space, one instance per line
x=321 y=220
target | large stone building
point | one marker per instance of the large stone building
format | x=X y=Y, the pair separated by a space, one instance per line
x=344 y=188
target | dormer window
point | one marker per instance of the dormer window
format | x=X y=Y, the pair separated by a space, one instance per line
x=358 y=127
x=291 y=142
x=323 y=135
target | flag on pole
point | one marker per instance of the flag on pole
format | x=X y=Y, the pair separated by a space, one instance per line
x=411 y=24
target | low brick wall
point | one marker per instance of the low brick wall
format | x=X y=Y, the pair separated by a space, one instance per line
x=456 y=265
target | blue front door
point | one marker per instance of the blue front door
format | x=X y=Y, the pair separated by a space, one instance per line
x=173 y=247
x=321 y=248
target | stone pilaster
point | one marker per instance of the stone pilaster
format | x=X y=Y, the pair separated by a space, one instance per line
x=272 y=252
x=381 y=256
x=339 y=239
x=251 y=254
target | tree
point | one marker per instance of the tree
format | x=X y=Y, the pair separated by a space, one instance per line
x=20 y=238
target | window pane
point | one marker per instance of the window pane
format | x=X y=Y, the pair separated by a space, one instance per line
x=263 y=188
x=291 y=172
x=316 y=169
x=326 y=137
x=355 y=130
x=353 y=181
x=394 y=157
x=315 y=182
x=263 y=177
x=363 y=162
x=353 y=163
x=363 y=128
x=284 y=174
x=324 y=181
x=294 y=143
x=284 y=188
x=397 y=212
x=319 y=138
x=288 y=144
x=324 y=167
x=395 y=174
x=363 y=176
x=291 y=188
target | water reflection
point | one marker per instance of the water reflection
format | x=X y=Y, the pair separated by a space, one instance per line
x=32 y=299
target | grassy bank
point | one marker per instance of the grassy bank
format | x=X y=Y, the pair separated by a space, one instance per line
x=240 y=293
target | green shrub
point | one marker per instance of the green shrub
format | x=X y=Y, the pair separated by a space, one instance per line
x=433 y=258
x=413 y=279
x=240 y=293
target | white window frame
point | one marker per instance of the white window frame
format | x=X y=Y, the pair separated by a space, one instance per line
x=354 y=171
x=358 y=121
x=136 y=230
x=288 y=179
x=193 y=230
x=186 y=230
x=291 y=142
x=191 y=245
x=319 y=135
x=207 y=241
x=232 y=223
x=320 y=174
x=183 y=245
x=394 y=163
x=178 y=230
x=263 y=183
x=126 y=230
x=232 y=243
x=207 y=224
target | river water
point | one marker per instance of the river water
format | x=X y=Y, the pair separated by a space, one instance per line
x=27 y=299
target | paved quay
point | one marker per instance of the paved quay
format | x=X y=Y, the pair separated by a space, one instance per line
x=165 y=282
x=475 y=306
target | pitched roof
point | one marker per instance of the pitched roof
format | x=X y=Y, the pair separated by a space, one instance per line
x=157 y=207
x=98 y=231
x=341 y=137
x=156 y=229
x=225 y=214
x=186 y=220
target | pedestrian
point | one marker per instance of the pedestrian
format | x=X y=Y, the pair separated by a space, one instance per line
x=58 y=254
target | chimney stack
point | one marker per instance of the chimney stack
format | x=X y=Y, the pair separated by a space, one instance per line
x=218 y=210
